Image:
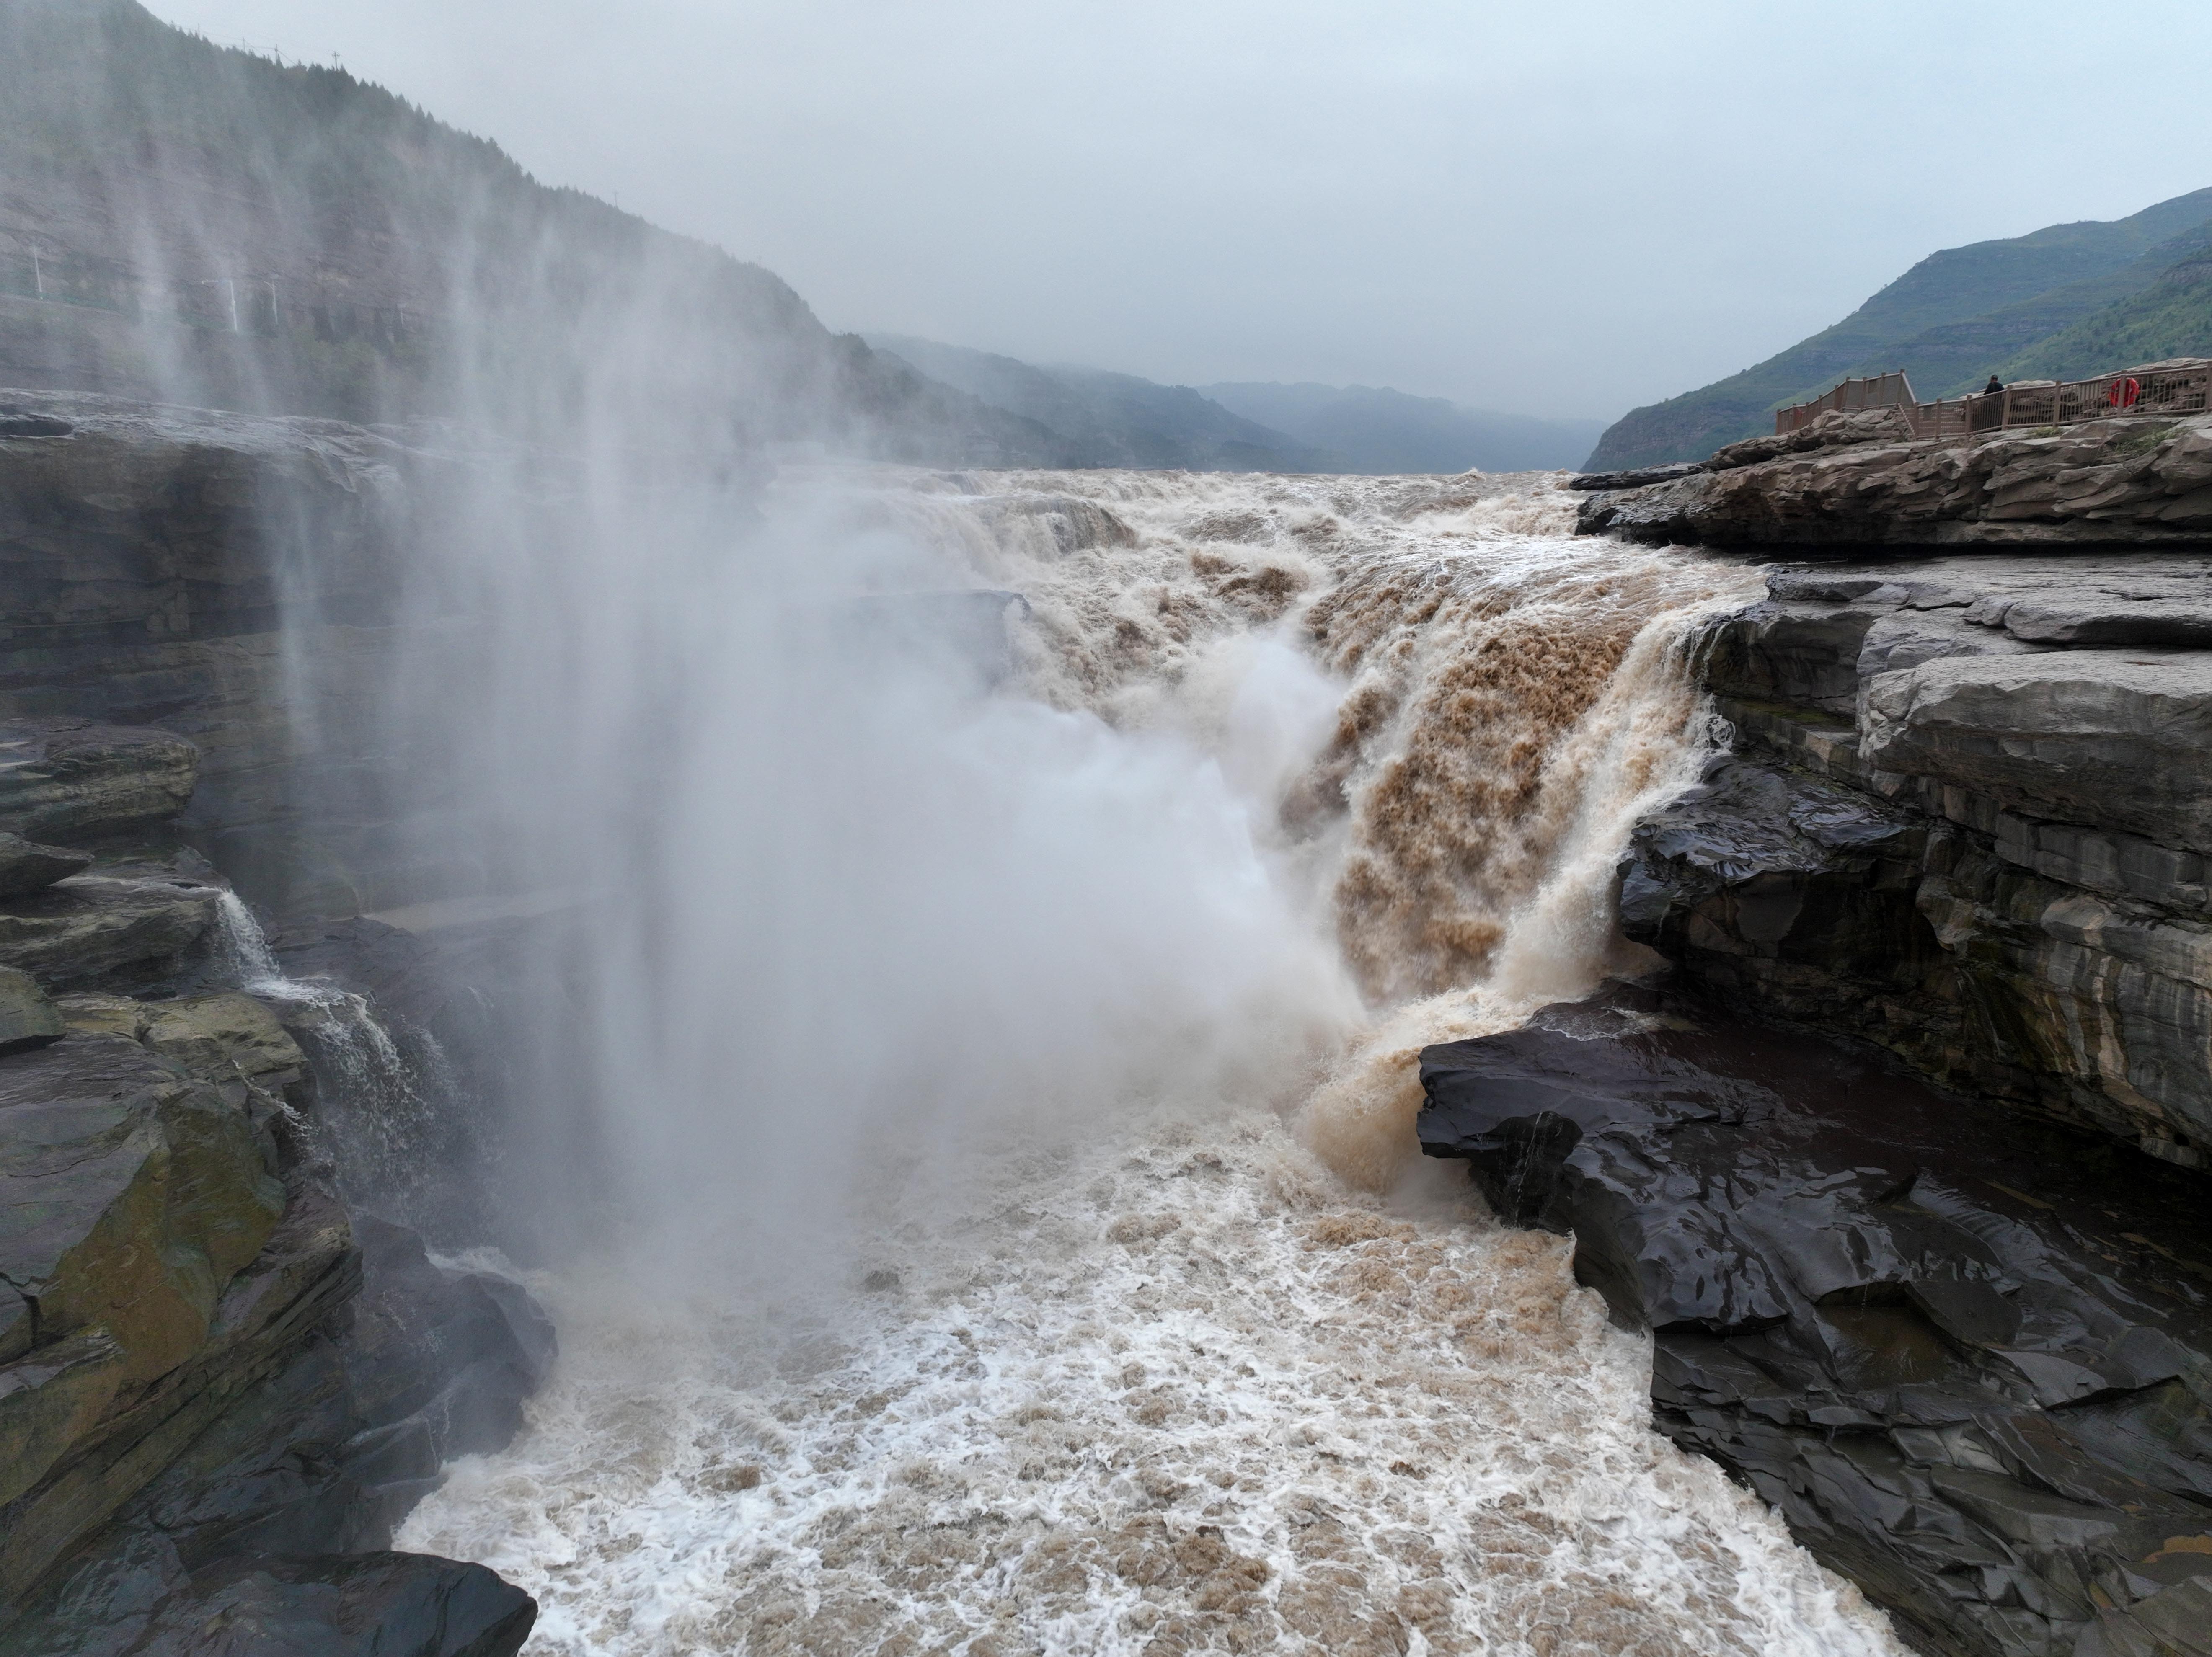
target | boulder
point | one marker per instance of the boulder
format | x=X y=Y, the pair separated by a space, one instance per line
x=28 y=1018
x=1959 y=1354
x=93 y=930
x=132 y=1199
x=84 y=783
x=26 y=866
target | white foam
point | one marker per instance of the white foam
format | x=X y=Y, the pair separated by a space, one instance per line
x=1165 y=1389
x=1182 y=1354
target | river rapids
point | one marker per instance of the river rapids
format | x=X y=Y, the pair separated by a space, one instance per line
x=1172 y=1345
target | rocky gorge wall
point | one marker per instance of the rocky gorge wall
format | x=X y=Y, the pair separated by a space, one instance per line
x=152 y=557
x=1934 y=1285
x=1965 y=817
x=223 y=1379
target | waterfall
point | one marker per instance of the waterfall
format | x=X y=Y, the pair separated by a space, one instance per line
x=1011 y=1074
x=387 y=1106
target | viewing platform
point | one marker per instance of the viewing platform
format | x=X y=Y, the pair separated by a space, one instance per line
x=2179 y=385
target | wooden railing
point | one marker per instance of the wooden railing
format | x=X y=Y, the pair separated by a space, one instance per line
x=2160 y=389
x=1882 y=390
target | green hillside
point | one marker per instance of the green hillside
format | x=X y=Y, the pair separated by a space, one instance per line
x=1947 y=322
x=2171 y=319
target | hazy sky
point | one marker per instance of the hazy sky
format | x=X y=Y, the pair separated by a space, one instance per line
x=1564 y=205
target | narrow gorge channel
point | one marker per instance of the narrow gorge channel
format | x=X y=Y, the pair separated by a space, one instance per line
x=1123 y=1316
x=676 y=983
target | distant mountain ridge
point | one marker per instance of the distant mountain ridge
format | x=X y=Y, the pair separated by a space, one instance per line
x=1948 y=322
x=1105 y=419
x=1120 y=420
x=1377 y=430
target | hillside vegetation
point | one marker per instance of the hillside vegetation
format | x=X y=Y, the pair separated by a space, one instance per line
x=2171 y=318
x=1948 y=322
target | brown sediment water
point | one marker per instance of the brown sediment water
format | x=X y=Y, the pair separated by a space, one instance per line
x=1203 y=1365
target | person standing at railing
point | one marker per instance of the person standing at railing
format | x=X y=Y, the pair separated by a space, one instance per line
x=1993 y=387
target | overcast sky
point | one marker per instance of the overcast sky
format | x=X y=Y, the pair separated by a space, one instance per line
x=1570 y=206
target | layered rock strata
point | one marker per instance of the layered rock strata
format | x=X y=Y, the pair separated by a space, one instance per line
x=1969 y=1363
x=155 y=561
x=2122 y=482
x=219 y=1389
x=1966 y=816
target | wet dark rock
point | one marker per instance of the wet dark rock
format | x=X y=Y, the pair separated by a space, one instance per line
x=2024 y=906
x=106 y=931
x=220 y=1392
x=28 y=1018
x=349 y=1368
x=28 y=866
x=363 y=1605
x=1636 y=477
x=1970 y=1362
x=454 y=1353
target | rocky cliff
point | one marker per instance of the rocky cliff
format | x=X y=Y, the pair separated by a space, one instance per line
x=2121 y=482
x=222 y=1382
x=220 y=1389
x=232 y=579
x=1934 y=1280
x=1966 y=817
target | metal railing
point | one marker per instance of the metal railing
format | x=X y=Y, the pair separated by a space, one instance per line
x=2160 y=389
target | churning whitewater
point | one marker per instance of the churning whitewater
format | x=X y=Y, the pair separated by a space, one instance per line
x=1138 y=1327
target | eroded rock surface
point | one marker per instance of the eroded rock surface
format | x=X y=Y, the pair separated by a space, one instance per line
x=148 y=554
x=219 y=1389
x=85 y=784
x=1968 y=1361
x=1966 y=816
x=2114 y=483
